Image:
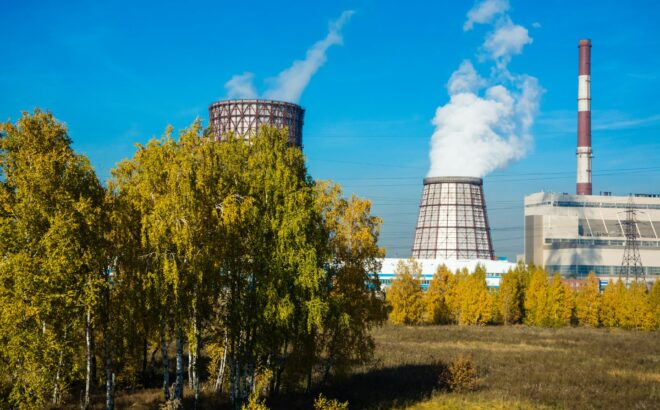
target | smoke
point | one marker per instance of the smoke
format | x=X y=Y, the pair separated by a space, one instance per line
x=507 y=40
x=484 y=12
x=290 y=83
x=241 y=86
x=486 y=123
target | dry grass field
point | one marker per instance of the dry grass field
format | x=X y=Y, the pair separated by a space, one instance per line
x=518 y=366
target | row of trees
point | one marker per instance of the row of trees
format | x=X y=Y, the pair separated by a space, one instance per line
x=526 y=295
x=228 y=249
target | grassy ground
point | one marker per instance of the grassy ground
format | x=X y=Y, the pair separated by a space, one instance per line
x=523 y=367
x=519 y=367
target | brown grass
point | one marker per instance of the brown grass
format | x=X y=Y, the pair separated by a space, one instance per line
x=518 y=367
x=524 y=367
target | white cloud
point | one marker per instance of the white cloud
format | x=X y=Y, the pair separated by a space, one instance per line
x=484 y=12
x=241 y=86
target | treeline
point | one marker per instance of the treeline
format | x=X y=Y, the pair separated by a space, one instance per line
x=228 y=252
x=526 y=295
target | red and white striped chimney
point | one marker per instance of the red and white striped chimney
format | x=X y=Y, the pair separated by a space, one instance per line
x=584 y=120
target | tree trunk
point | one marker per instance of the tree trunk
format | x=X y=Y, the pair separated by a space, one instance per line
x=145 y=349
x=190 y=363
x=88 y=345
x=109 y=376
x=166 y=362
x=178 y=388
x=221 y=371
x=94 y=379
x=234 y=383
x=60 y=365
x=56 y=389
x=195 y=365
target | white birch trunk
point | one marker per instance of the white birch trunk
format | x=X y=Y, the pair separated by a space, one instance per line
x=107 y=358
x=178 y=389
x=195 y=370
x=88 y=345
x=56 y=389
x=221 y=371
x=109 y=377
x=190 y=366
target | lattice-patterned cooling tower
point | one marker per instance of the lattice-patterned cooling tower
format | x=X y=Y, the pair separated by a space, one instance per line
x=452 y=222
x=244 y=117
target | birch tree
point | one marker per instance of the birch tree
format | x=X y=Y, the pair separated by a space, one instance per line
x=51 y=224
x=351 y=285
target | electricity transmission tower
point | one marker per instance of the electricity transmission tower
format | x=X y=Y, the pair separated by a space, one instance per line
x=632 y=262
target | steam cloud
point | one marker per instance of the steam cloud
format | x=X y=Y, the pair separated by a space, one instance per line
x=241 y=86
x=486 y=123
x=292 y=81
x=484 y=12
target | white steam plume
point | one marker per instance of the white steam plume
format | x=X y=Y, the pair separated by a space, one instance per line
x=507 y=40
x=486 y=123
x=485 y=12
x=291 y=82
x=240 y=86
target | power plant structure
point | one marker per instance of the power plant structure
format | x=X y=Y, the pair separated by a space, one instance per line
x=584 y=154
x=575 y=235
x=244 y=117
x=452 y=221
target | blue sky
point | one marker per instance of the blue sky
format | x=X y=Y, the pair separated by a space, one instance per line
x=118 y=72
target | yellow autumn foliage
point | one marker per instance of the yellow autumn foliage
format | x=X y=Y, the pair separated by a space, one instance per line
x=405 y=294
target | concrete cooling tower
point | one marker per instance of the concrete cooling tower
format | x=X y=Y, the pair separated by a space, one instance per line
x=452 y=221
x=244 y=117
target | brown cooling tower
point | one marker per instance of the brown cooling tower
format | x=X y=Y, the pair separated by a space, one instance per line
x=244 y=117
x=452 y=222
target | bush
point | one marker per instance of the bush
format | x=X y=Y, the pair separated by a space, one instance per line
x=171 y=405
x=323 y=403
x=255 y=403
x=461 y=374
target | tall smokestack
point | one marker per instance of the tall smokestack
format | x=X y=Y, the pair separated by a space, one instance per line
x=584 y=120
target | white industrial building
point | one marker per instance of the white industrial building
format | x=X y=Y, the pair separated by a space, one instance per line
x=578 y=234
x=494 y=269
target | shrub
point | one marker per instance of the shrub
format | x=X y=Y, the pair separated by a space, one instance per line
x=323 y=403
x=461 y=374
x=171 y=405
x=255 y=403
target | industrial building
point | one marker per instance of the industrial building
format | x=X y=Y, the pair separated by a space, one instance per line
x=578 y=234
x=582 y=233
x=494 y=269
x=244 y=117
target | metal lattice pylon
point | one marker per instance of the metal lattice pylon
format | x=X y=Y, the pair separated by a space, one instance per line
x=632 y=261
